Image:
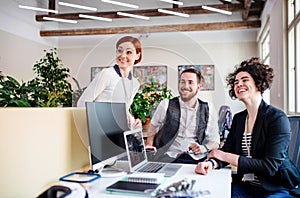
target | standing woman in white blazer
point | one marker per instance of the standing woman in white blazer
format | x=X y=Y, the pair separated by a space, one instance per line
x=116 y=83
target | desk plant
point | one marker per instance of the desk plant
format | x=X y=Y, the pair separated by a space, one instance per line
x=147 y=99
x=50 y=87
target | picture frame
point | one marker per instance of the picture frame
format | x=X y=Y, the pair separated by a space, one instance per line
x=145 y=74
x=208 y=73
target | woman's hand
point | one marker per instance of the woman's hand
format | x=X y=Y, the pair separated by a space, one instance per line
x=203 y=168
x=230 y=158
x=218 y=154
x=137 y=124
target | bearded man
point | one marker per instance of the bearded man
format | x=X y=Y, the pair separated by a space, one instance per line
x=183 y=129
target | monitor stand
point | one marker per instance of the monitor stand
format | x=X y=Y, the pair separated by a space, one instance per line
x=110 y=168
x=112 y=171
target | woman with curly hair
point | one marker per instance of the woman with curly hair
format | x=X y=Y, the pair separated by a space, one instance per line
x=258 y=140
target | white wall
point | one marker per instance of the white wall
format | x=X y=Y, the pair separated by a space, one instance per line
x=274 y=12
x=21 y=46
x=277 y=53
x=173 y=49
x=221 y=49
x=18 y=55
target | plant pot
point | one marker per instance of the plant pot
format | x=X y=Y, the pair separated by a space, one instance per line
x=146 y=125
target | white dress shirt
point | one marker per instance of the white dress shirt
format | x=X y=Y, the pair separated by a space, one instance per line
x=187 y=127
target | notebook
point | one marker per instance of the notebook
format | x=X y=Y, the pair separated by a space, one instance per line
x=137 y=156
x=123 y=187
x=149 y=178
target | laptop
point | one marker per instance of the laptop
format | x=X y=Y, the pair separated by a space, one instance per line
x=137 y=156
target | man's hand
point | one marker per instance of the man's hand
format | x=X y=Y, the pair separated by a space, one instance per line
x=203 y=168
x=151 y=148
x=195 y=147
x=137 y=124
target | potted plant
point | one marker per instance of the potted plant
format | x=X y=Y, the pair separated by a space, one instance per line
x=13 y=93
x=52 y=82
x=147 y=99
x=50 y=87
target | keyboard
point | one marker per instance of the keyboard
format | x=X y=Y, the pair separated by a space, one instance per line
x=151 y=167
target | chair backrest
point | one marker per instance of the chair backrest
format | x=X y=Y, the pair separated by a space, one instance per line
x=225 y=120
x=294 y=147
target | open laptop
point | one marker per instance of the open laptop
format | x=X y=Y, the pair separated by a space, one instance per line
x=137 y=156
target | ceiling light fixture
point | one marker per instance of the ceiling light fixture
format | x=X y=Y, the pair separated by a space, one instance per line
x=228 y=0
x=133 y=15
x=121 y=4
x=173 y=2
x=59 y=20
x=94 y=17
x=173 y=13
x=38 y=9
x=77 y=6
x=217 y=10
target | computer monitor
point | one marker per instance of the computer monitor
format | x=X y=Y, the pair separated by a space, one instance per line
x=106 y=123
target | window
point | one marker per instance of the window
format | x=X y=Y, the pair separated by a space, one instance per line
x=264 y=41
x=293 y=55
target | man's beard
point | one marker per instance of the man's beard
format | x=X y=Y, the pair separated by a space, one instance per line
x=189 y=96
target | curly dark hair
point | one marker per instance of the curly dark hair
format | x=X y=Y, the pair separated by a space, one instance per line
x=262 y=75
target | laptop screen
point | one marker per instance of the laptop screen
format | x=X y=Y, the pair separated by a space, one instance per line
x=135 y=148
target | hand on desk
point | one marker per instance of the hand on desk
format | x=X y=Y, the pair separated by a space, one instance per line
x=206 y=166
x=203 y=168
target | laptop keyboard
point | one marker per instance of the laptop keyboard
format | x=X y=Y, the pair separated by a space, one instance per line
x=151 y=167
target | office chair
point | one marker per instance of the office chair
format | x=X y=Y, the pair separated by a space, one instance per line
x=294 y=147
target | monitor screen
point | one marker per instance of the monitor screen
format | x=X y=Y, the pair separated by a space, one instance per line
x=106 y=123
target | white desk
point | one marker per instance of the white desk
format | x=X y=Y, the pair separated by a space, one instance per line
x=217 y=182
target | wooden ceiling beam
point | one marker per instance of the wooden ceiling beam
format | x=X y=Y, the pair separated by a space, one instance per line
x=51 y=6
x=150 y=12
x=152 y=29
x=247 y=5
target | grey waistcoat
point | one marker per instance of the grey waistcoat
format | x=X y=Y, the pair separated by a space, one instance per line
x=167 y=134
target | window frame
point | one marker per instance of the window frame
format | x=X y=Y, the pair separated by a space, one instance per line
x=293 y=56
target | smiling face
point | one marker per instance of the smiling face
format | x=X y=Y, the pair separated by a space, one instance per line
x=126 y=55
x=244 y=86
x=188 y=86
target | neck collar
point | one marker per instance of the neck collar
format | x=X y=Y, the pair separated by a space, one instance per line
x=117 y=69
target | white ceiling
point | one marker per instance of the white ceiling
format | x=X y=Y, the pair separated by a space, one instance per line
x=122 y=22
x=9 y=10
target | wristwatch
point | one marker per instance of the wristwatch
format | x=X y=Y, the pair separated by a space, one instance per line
x=212 y=162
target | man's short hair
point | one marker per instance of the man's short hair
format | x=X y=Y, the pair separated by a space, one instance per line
x=195 y=71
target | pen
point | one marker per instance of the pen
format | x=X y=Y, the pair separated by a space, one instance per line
x=190 y=152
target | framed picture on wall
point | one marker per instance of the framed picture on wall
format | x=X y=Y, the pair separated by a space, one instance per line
x=95 y=70
x=145 y=74
x=208 y=73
